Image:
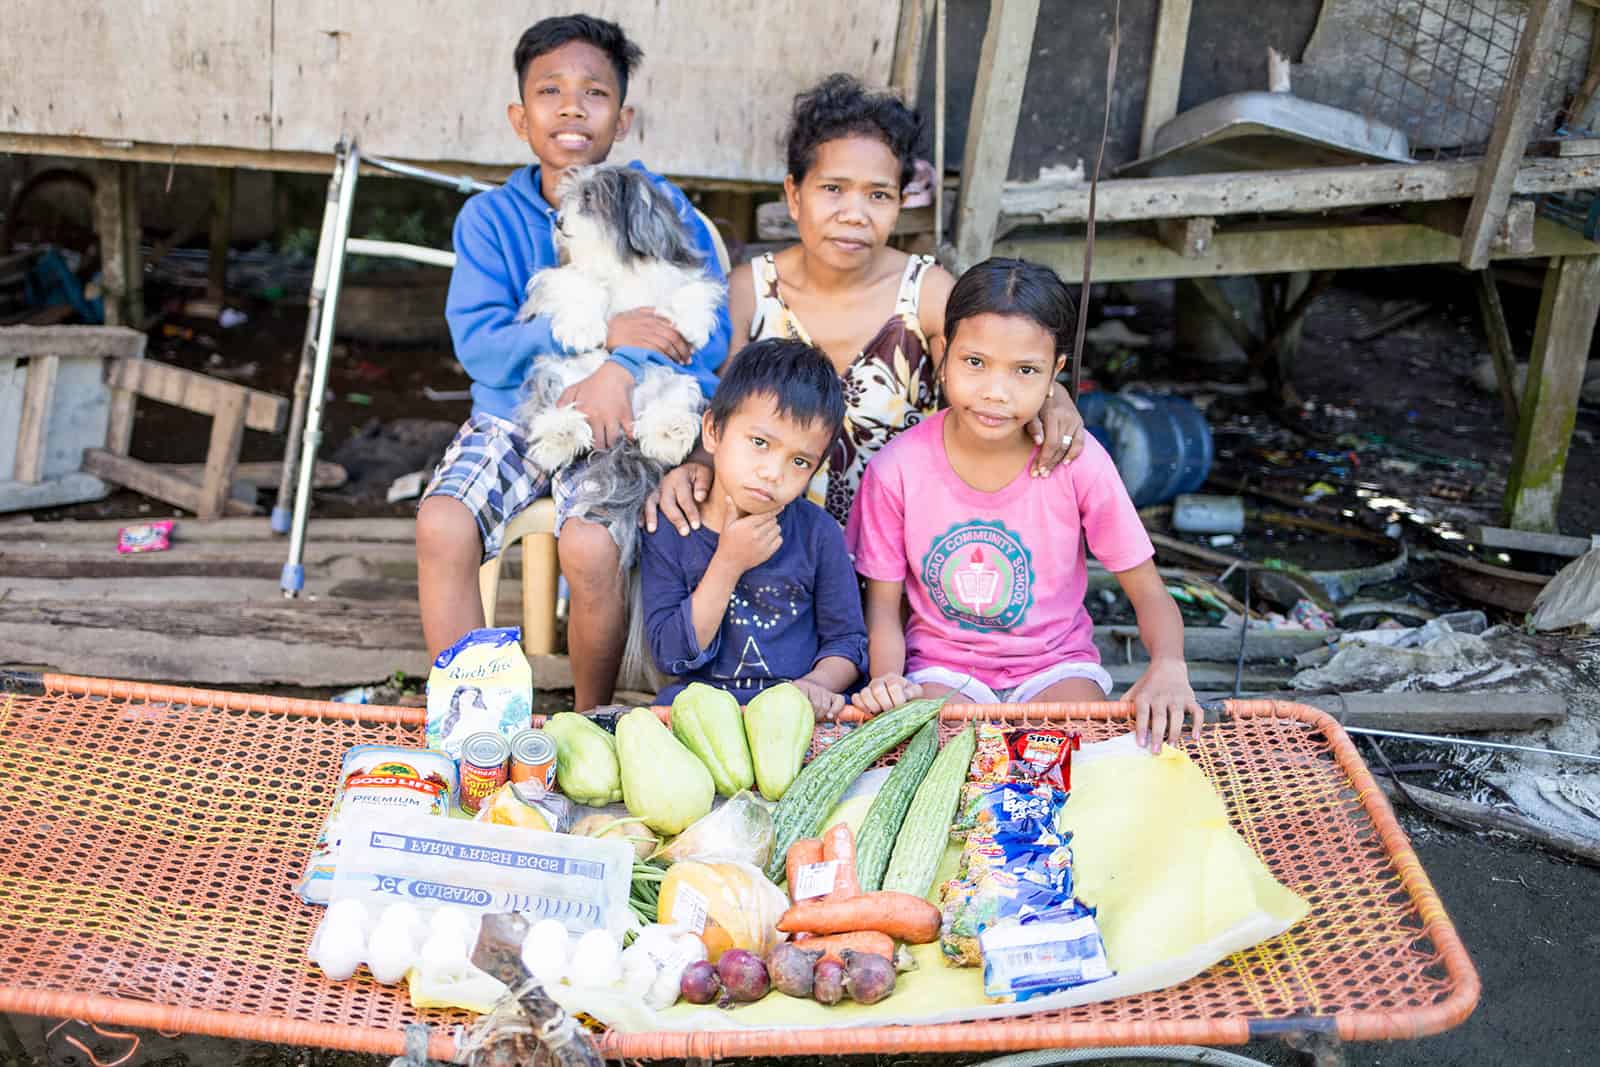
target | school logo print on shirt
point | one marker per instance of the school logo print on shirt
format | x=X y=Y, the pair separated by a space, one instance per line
x=980 y=576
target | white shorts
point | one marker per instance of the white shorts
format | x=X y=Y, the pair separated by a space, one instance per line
x=1021 y=693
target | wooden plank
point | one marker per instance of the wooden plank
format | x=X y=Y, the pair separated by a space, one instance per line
x=1272 y=249
x=265 y=473
x=222 y=454
x=1430 y=713
x=398 y=531
x=1514 y=235
x=1166 y=70
x=38 y=397
x=1578 y=146
x=1500 y=348
x=1310 y=191
x=1528 y=541
x=1513 y=126
x=113 y=216
x=1188 y=237
x=196 y=392
x=142 y=478
x=1560 y=355
x=1120 y=643
x=910 y=47
x=71 y=342
x=992 y=126
x=324 y=561
x=1482 y=817
x=221 y=232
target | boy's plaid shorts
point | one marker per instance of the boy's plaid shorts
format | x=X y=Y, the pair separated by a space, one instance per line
x=487 y=468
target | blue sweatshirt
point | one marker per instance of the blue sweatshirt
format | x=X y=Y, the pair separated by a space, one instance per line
x=501 y=238
x=800 y=606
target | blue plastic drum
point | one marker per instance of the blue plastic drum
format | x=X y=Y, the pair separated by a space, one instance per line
x=1161 y=444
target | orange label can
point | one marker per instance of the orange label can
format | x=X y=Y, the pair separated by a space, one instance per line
x=483 y=768
x=533 y=759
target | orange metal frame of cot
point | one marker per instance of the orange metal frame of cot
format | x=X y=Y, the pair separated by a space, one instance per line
x=151 y=837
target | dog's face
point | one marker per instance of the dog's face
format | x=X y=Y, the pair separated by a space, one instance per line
x=614 y=216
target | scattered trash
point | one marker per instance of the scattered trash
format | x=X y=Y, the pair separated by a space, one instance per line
x=441 y=395
x=359 y=399
x=228 y=318
x=361 y=694
x=145 y=537
x=1208 y=514
x=186 y=333
x=1221 y=540
x=408 y=486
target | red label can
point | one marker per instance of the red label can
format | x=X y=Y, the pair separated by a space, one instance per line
x=483 y=768
x=533 y=759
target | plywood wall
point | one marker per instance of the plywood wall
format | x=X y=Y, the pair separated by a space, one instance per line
x=420 y=79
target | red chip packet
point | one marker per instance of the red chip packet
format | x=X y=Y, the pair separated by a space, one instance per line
x=145 y=537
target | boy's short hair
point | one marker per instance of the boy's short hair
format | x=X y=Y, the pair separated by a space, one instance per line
x=840 y=106
x=799 y=377
x=547 y=35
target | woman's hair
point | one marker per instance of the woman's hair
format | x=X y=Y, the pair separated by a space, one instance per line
x=1001 y=286
x=840 y=106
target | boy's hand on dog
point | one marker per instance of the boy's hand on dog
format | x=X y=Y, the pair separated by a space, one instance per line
x=749 y=540
x=606 y=400
x=645 y=328
x=887 y=693
x=683 y=489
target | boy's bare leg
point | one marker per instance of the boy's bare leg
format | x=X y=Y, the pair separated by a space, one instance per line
x=598 y=616
x=449 y=551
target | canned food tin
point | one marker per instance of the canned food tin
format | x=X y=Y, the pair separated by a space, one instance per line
x=533 y=758
x=483 y=768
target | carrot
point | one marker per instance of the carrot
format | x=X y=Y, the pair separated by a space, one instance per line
x=803 y=936
x=832 y=946
x=839 y=845
x=802 y=852
x=900 y=915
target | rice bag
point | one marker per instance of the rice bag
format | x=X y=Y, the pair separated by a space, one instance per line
x=378 y=778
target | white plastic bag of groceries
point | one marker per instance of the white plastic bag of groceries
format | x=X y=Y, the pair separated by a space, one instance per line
x=582 y=882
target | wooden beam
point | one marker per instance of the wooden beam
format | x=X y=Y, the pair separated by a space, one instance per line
x=910 y=47
x=71 y=342
x=1310 y=191
x=1513 y=126
x=992 y=126
x=1431 y=713
x=222 y=454
x=157 y=481
x=1514 y=235
x=196 y=392
x=1500 y=348
x=1550 y=399
x=1187 y=237
x=116 y=223
x=1482 y=817
x=33 y=428
x=1272 y=249
x=220 y=236
x=1527 y=541
x=1166 y=70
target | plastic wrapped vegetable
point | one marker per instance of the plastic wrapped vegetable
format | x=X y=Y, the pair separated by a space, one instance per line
x=739 y=830
x=662 y=782
x=778 y=723
x=528 y=805
x=653 y=966
x=586 y=759
x=706 y=720
x=729 y=905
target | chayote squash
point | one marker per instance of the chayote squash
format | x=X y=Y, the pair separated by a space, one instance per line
x=778 y=723
x=706 y=720
x=586 y=759
x=663 y=783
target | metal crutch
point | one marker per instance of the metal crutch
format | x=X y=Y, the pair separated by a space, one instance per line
x=294 y=571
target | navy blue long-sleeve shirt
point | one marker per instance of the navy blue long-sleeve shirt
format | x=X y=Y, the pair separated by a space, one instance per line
x=799 y=607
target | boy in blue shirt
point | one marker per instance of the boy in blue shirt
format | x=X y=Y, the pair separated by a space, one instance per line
x=763 y=591
x=572 y=74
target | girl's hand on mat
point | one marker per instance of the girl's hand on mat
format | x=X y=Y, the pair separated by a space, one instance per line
x=677 y=500
x=825 y=703
x=1058 y=431
x=1161 y=695
x=887 y=693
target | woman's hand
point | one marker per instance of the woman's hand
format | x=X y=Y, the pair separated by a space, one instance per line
x=886 y=693
x=1058 y=431
x=681 y=489
x=1162 y=694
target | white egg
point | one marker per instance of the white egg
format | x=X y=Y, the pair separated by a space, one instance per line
x=389 y=955
x=338 y=950
x=402 y=915
x=596 y=960
x=443 y=950
x=347 y=912
x=546 y=950
x=455 y=921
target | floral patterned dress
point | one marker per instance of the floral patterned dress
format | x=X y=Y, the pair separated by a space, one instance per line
x=891 y=385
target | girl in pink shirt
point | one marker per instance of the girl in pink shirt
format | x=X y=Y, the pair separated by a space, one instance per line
x=990 y=557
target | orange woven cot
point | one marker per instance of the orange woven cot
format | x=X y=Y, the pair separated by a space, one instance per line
x=152 y=836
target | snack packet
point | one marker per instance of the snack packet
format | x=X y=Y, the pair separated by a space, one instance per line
x=145 y=537
x=1053 y=950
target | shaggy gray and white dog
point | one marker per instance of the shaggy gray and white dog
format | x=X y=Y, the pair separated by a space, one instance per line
x=623 y=247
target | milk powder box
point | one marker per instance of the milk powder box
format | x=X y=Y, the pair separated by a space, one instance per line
x=482 y=683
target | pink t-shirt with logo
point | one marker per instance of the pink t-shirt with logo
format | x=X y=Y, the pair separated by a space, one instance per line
x=996 y=580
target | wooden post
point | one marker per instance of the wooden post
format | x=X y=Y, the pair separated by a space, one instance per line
x=33 y=429
x=910 y=46
x=1500 y=350
x=221 y=232
x=1550 y=399
x=1166 y=70
x=222 y=455
x=992 y=125
x=1513 y=125
x=116 y=210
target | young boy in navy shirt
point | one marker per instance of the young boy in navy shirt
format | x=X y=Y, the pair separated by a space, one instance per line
x=572 y=76
x=763 y=590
